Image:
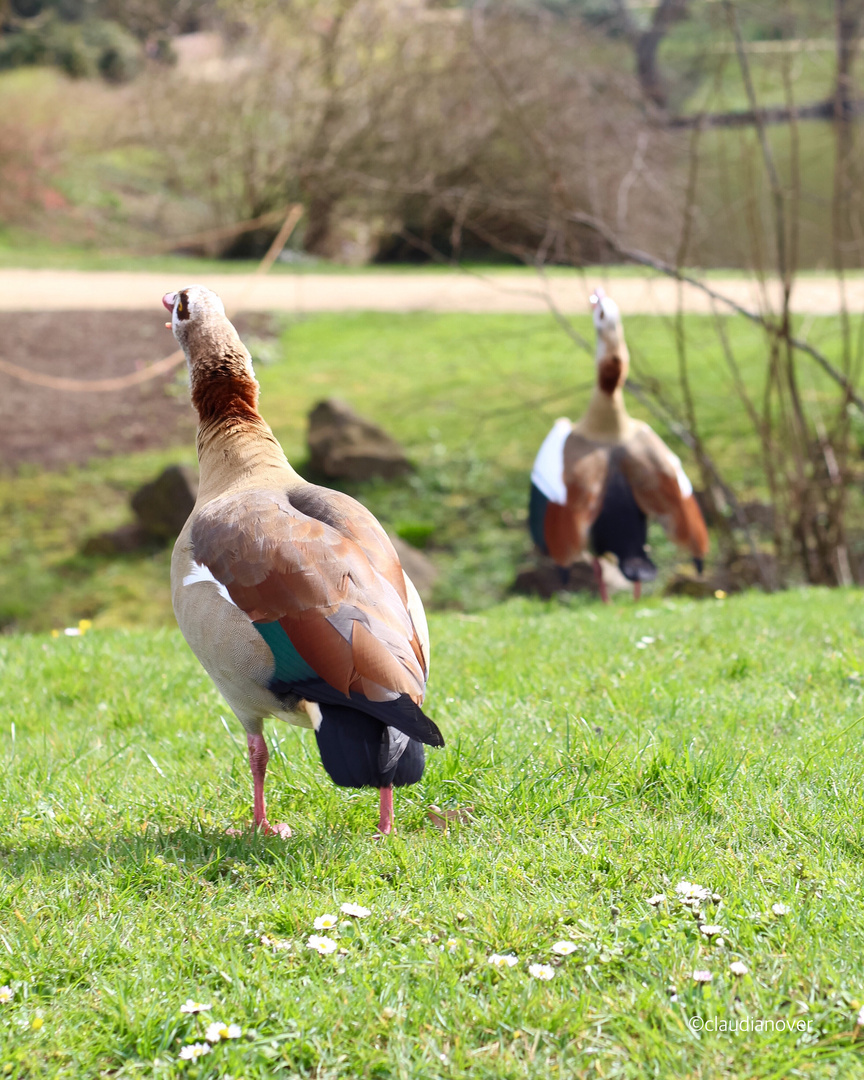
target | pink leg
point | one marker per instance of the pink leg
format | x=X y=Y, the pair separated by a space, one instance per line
x=258 y=758
x=385 y=816
x=637 y=590
x=601 y=584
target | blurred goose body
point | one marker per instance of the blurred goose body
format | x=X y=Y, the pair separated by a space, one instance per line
x=291 y=595
x=595 y=482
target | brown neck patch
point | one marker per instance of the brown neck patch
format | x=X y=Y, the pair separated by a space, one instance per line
x=223 y=389
x=609 y=373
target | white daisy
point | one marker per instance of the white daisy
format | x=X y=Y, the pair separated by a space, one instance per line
x=218 y=1031
x=737 y=968
x=194 y=1050
x=326 y=922
x=6 y=994
x=321 y=944
x=711 y=931
x=503 y=959
x=702 y=976
x=564 y=948
x=450 y=945
x=860 y=1020
x=275 y=943
x=780 y=909
x=190 y=1006
x=541 y=971
x=688 y=890
x=355 y=910
x=658 y=899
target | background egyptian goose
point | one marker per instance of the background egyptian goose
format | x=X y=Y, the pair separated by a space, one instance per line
x=289 y=594
x=594 y=482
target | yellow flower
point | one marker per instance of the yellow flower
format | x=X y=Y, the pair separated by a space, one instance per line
x=84 y=625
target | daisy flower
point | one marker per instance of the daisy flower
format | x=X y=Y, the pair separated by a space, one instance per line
x=355 y=911
x=780 y=909
x=450 y=945
x=657 y=899
x=711 y=931
x=503 y=960
x=326 y=922
x=5 y=994
x=737 y=968
x=860 y=1020
x=688 y=890
x=541 y=971
x=321 y=944
x=190 y=1006
x=216 y=1032
x=564 y=948
x=194 y=1051
x=702 y=976
x=274 y=943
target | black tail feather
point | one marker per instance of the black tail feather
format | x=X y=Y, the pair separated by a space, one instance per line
x=401 y=713
x=622 y=529
x=359 y=751
x=537 y=504
x=638 y=568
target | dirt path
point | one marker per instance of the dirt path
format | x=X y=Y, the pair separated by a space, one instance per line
x=70 y=290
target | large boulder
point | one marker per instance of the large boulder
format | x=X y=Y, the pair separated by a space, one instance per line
x=163 y=505
x=161 y=508
x=345 y=446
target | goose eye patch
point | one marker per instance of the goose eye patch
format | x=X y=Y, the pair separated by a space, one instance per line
x=183 y=306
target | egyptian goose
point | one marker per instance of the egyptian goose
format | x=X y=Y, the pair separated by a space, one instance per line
x=594 y=482
x=289 y=594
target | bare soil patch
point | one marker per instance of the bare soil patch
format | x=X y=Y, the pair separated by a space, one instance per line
x=52 y=428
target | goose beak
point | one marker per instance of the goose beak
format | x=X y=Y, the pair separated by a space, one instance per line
x=168 y=300
x=596 y=297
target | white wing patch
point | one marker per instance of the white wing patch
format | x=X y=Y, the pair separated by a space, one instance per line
x=418 y=618
x=201 y=573
x=683 y=481
x=548 y=471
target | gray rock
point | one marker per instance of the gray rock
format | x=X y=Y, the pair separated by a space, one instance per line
x=345 y=446
x=121 y=541
x=163 y=505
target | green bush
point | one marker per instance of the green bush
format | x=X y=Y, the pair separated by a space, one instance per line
x=95 y=47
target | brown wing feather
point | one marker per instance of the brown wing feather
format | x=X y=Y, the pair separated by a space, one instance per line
x=649 y=466
x=334 y=595
x=566 y=528
x=352 y=520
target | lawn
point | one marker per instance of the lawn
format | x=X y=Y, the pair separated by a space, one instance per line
x=608 y=754
x=470 y=396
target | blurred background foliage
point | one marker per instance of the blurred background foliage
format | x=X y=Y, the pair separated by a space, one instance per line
x=406 y=127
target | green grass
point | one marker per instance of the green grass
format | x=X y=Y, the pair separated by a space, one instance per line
x=470 y=397
x=727 y=752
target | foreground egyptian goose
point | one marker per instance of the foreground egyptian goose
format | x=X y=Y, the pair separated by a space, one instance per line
x=289 y=594
x=594 y=482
